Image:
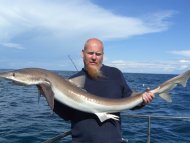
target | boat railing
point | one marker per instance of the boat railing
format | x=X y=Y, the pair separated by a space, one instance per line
x=148 y=117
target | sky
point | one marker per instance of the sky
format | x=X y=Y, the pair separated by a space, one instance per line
x=139 y=36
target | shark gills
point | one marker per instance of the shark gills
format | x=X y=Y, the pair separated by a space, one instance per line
x=53 y=86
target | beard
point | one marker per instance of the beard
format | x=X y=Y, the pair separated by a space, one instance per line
x=94 y=71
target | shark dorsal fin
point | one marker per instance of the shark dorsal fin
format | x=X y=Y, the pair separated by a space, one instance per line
x=79 y=81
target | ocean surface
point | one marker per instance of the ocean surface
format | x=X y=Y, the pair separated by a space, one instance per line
x=25 y=119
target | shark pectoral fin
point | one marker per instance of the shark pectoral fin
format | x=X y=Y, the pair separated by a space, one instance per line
x=165 y=96
x=105 y=116
x=39 y=93
x=45 y=90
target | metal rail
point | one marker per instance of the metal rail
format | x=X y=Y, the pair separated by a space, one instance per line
x=58 y=137
x=148 y=117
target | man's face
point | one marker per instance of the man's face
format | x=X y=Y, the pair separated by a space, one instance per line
x=93 y=55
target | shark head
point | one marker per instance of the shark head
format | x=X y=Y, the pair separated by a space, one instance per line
x=23 y=76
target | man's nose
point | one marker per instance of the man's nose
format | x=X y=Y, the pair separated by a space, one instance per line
x=94 y=56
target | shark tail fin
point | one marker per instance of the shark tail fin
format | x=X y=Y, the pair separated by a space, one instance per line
x=166 y=96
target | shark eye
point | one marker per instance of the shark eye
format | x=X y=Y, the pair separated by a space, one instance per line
x=14 y=74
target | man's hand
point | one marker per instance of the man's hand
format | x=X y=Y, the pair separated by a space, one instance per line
x=148 y=96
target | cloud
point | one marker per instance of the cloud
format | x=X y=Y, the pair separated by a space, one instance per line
x=152 y=66
x=185 y=53
x=12 y=45
x=75 y=18
x=49 y=29
x=184 y=64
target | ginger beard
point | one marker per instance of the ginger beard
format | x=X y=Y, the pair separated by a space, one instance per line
x=94 y=71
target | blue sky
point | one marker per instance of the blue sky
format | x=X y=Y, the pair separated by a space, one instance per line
x=141 y=36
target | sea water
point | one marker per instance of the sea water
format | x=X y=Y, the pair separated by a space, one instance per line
x=26 y=119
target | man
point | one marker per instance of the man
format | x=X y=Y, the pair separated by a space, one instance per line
x=104 y=81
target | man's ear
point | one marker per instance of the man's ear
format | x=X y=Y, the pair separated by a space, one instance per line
x=82 y=53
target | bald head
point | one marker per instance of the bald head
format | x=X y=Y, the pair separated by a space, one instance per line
x=94 y=42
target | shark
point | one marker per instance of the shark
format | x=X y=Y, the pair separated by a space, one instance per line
x=70 y=92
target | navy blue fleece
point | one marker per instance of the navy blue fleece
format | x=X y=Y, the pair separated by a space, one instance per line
x=85 y=127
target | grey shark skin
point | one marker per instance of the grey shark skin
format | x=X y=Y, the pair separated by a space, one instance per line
x=54 y=86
